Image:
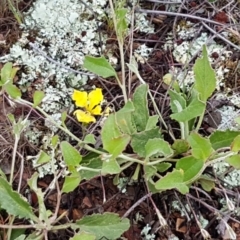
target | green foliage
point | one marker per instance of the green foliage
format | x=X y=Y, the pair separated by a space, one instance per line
x=108 y=225
x=37 y=98
x=8 y=73
x=221 y=139
x=174 y=179
x=13 y=202
x=99 y=66
x=205 y=79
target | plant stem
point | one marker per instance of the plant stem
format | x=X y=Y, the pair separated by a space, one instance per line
x=120 y=45
x=200 y=121
x=13 y=158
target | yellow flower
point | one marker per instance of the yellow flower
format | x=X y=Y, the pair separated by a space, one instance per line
x=90 y=102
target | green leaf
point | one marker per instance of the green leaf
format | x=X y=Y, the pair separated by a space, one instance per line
x=117 y=145
x=234 y=161
x=157 y=146
x=108 y=225
x=207 y=183
x=13 y=203
x=177 y=98
x=235 y=146
x=83 y=236
x=180 y=146
x=110 y=131
x=194 y=109
x=141 y=114
x=139 y=140
x=124 y=119
x=54 y=141
x=70 y=154
x=152 y=122
x=90 y=138
x=94 y=163
x=163 y=166
x=18 y=234
x=201 y=147
x=37 y=98
x=110 y=166
x=149 y=171
x=173 y=180
x=6 y=73
x=205 y=79
x=191 y=168
x=71 y=182
x=100 y=66
x=43 y=158
x=12 y=90
x=221 y=139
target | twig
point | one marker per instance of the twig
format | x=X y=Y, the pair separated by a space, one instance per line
x=220 y=36
x=136 y=204
x=179 y=14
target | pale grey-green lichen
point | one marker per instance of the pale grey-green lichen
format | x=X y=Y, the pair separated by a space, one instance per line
x=231 y=179
x=185 y=51
x=65 y=31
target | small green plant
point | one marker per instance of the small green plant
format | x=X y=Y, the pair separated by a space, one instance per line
x=176 y=164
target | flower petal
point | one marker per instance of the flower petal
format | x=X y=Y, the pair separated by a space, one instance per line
x=97 y=110
x=80 y=98
x=94 y=97
x=84 y=117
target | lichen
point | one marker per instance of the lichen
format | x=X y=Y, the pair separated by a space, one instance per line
x=188 y=49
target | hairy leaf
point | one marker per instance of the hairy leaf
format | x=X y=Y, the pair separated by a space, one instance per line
x=110 y=130
x=13 y=203
x=221 y=139
x=173 y=180
x=71 y=182
x=205 y=79
x=108 y=225
x=157 y=146
x=100 y=66
x=194 y=109
x=140 y=139
x=234 y=161
x=201 y=147
x=141 y=114
x=124 y=119
x=37 y=98
x=191 y=167
x=70 y=154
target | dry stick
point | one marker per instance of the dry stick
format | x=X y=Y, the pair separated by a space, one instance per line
x=220 y=36
x=103 y=189
x=183 y=207
x=179 y=14
x=210 y=207
x=131 y=52
x=136 y=204
x=35 y=48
